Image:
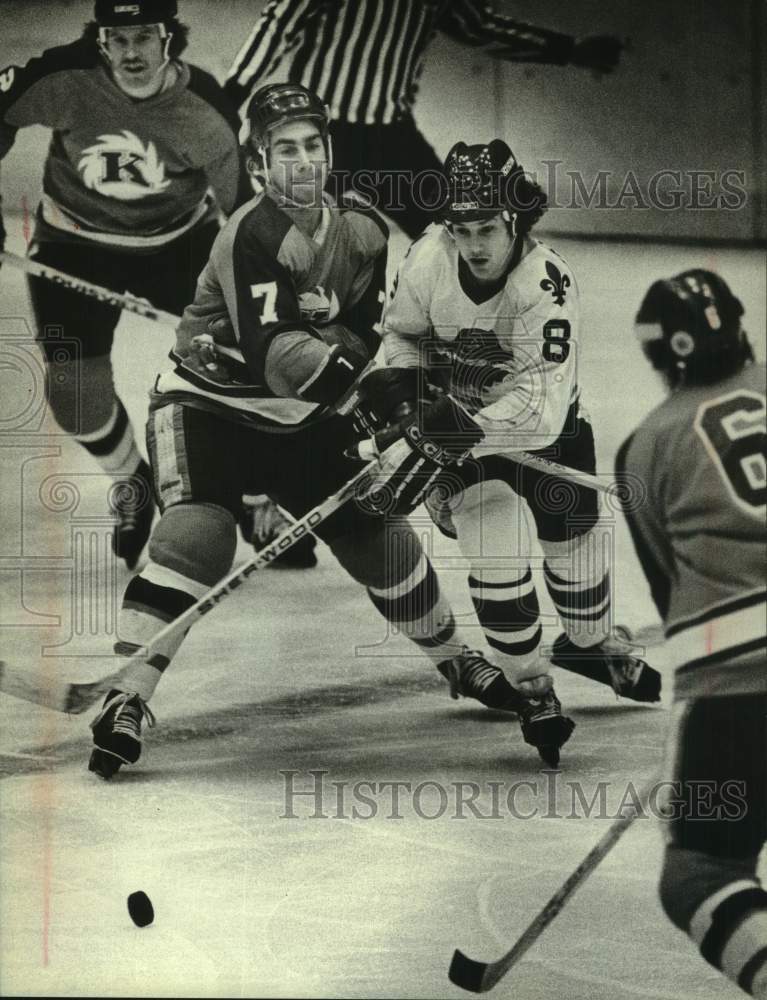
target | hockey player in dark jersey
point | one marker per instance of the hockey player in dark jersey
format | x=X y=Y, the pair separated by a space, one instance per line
x=492 y=316
x=301 y=282
x=700 y=536
x=139 y=137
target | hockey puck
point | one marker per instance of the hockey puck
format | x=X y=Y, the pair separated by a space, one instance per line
x=140 y=909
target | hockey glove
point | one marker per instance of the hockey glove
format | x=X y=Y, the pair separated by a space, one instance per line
x=387 y=396
x=417 y=451
x=598 y=52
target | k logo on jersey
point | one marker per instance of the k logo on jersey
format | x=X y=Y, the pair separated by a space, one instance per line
x=7 y=76
x=121 y=166
x=316 y=307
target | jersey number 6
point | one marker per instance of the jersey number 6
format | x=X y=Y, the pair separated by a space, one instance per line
x=556 y=333
x=732 y=429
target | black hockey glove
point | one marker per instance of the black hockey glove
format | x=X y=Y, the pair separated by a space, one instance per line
x=386 y=396
x=415 y=452
x=598 y=52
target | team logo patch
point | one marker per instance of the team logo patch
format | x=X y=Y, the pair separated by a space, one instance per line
x=7 y=77
x=557 y=283
x=122 y=167
x=316 y=307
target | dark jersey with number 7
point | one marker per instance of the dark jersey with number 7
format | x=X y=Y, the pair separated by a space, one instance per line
x=265 y=276
x=700 y=531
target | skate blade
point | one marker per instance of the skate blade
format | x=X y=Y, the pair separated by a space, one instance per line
x=104 y=764
x=549 y=756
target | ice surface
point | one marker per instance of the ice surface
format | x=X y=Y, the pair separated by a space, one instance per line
x=294 y=673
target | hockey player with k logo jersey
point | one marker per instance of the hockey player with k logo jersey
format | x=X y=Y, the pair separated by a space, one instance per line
x=139 y=138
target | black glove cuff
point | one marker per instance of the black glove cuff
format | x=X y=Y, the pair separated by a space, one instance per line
x=333 y=379
x=386 y=389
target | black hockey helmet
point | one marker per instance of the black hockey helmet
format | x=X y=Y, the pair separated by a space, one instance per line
x=689 y=327
x=278 y=103
x=124 y=13
x=480 y=181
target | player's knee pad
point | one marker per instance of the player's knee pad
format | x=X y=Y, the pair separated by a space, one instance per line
x=484 y=497
x=196 y=540
x=387 y=548
x=490 y=519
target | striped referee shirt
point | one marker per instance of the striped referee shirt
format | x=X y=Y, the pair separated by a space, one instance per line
x=364 y=57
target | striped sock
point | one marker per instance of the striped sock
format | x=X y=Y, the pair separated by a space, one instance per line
x=510 y=617
x=416 y=607
x=730 y=928
x=155 y=597
x=583 y=603
x=114 y=445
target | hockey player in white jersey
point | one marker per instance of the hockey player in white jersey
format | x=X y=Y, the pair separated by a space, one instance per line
x=491 y=316
x=700 y=537
x=301 y=282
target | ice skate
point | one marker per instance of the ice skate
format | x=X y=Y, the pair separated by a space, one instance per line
x=544 y=727
x=610 y=662
x=471 y=676
x=117 y=732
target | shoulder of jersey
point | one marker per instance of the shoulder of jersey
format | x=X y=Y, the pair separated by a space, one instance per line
x=657 y=437
x=259 y=222
x=79 y=54
x=263 y=229
x=364 y=221
x=429 y=251
x=544 y=275
x=205 y=86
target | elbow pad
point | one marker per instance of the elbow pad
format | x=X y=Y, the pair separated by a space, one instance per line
x=301 y=366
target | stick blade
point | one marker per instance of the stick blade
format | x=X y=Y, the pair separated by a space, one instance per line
x=468 y=973
x=58 y=695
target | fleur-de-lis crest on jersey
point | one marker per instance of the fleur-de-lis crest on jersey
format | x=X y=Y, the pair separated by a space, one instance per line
x=557 y=283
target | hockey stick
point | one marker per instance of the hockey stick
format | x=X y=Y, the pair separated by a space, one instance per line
x=366 y=451
x=127 y=302
x=479 y=977
x=74 y=698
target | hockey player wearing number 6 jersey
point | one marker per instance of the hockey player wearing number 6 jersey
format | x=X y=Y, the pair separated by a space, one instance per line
x=298 y=283
x=492 y=317
x=700 y=537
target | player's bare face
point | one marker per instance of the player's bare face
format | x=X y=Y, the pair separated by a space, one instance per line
x=485 y=245
x=298 y=162
x=136 y=56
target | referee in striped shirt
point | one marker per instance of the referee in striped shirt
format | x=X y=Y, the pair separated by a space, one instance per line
x=364 y=58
